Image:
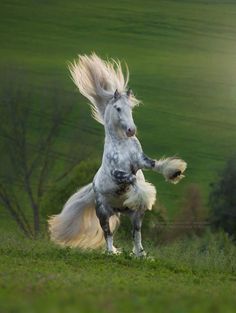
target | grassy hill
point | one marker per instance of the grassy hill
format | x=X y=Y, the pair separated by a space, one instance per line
x=182 y=61
x=195 y=276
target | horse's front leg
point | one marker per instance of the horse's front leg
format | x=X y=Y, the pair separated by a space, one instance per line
x=104 y=213
x=122 y=177
x=171 y=168
x=136 y=220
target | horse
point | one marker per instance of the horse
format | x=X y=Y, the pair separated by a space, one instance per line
x=91 y=215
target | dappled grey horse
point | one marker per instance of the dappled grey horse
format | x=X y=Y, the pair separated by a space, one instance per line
x=91 y=215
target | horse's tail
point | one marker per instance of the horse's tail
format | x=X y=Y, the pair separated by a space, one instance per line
x=77 y=225
x=97 y=80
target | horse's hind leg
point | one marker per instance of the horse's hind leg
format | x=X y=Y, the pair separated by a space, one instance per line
x=104 y=213
x=136 y=220
x=104 y=222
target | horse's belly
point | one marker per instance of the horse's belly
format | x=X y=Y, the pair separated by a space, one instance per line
x=140 y=196
x=116 y=202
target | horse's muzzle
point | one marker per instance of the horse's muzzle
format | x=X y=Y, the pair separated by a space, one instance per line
x=131 y=132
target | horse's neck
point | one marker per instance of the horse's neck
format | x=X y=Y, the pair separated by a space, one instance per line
x=114 y=141
x=123 y=151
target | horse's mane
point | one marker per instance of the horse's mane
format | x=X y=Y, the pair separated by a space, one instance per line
x=97 y=80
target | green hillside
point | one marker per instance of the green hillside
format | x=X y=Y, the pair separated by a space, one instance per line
x=182 y=59
x=195 y=276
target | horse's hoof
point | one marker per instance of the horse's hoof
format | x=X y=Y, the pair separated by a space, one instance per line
x=139 y=254
x=114 y=251
x=117 y=251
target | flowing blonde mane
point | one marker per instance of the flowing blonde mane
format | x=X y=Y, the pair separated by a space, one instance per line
x=97 y=80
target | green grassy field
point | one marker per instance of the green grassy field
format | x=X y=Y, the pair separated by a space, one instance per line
x=196 y=275
x=182 y=61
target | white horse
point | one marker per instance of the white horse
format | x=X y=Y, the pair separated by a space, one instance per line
x=91 y=215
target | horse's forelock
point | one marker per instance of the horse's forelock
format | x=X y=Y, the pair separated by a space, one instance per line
x=98 y=79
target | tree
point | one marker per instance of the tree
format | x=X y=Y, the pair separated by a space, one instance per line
x=222 y=199
x=31 y=130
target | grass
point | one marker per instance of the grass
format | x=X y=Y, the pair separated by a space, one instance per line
x=194 y=275
x=182 y=60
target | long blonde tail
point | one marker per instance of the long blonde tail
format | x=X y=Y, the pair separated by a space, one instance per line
x=77 y=225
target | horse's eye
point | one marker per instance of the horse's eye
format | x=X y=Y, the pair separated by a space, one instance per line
x=118 y=109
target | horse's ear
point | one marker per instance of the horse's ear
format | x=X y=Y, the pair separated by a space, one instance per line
x=116 y=94
x=129 y=92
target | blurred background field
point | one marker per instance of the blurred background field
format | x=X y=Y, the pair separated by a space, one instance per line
x=182 y=61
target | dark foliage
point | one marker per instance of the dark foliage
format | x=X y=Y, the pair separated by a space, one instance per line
x=222 y=199
x=56 y=197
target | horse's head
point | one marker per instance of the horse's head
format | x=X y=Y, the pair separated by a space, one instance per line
x=118 y=116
